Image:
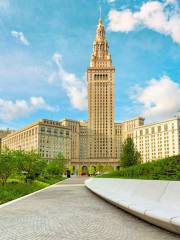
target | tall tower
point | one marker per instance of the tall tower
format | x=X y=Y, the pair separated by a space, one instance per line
x=100 y=76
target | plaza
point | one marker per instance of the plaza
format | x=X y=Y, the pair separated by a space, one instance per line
x=69 y=211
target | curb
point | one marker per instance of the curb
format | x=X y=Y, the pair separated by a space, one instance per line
x=28 y=195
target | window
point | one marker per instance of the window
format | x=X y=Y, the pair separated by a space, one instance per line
x=67 y=133
x=152 y=130
x=42 y=129
x=49 y=130
x=165 y=127
x=159 y=128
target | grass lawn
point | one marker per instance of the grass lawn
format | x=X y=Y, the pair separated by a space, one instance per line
x=16 y=188
x=164 y=169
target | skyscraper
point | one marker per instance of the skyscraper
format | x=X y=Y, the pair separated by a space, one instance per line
x=100 y=76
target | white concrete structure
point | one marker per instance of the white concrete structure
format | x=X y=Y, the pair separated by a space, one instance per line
x=155 y=201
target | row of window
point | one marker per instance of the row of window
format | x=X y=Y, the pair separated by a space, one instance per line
x=158 y=129
x=100 y=77
x=54 y=131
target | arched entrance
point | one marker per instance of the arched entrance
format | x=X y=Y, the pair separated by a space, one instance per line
x=84 y=171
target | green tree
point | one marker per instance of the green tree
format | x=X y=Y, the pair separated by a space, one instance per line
x=129 y=155
x=108 y=168
x=7 y=165
x=70 y=168
x=99 y=168
x=53 y=168
x=91 y=170
x=57 y=167
x=62 y=163
x=30 y=164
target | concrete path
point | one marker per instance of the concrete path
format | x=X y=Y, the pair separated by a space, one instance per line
x=69 y=211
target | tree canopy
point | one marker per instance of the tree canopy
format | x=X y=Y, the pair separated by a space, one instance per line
x=7 y=165
x=129 y=155
x=29 y=165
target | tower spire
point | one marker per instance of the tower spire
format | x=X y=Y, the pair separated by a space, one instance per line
x=100 y=15
x=100 y=12
x=100 y=56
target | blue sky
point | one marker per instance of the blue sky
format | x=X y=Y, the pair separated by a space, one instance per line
x=45 y=47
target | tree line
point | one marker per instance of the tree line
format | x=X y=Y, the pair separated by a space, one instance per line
x=29 y=165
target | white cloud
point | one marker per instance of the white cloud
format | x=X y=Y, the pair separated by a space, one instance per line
x=121 y=21
x=162 y=17
x=111 y=1
x=20 y=36
x=159 y=99
x=40 y=103
x=57 y=57
x=75 y=88
x=10 y=110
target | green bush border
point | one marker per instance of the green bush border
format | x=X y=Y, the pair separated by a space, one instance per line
x=163 y=169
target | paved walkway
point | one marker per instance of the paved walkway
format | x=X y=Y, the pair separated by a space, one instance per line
x=69 y=211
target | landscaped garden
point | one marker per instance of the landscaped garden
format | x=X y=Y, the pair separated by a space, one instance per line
x=164 y=169
x=132 y=167
x=22 y=173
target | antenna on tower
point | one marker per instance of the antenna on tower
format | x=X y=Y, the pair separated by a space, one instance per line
x=100 y=12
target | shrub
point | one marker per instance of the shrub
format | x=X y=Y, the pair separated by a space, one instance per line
x=100 y=168
x=91 y=170
x=167 y=169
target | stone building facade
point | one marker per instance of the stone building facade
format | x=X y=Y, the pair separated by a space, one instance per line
x=4 y=133
x=47 y=137
x=158 y=140
x=83 y=142
x=153 y=141
x=74 y=126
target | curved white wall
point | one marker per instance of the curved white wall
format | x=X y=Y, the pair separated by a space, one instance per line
x=155 y=201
